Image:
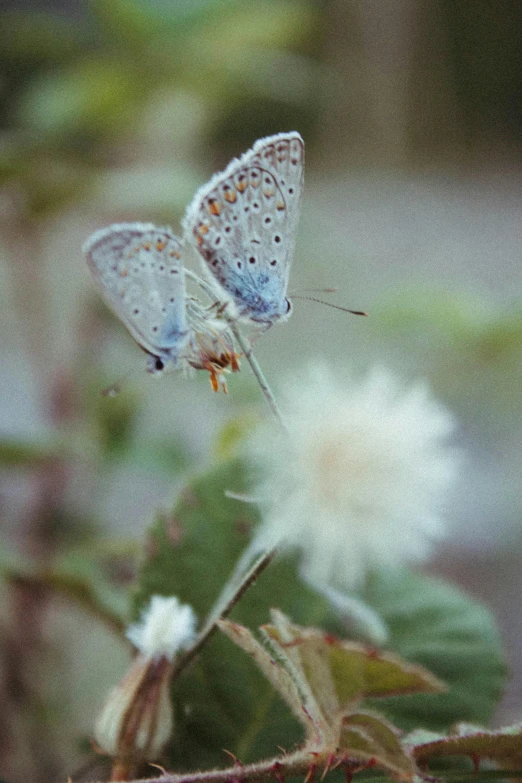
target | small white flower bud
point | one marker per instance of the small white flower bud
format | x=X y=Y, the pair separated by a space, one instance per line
x=137 y=720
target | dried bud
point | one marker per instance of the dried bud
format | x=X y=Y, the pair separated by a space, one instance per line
x=136 y=720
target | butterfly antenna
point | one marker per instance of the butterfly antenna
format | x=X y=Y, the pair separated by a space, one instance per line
x=314 y=291
x=329 y=304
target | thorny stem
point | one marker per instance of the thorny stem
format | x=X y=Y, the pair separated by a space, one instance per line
x=299 y=763
x=210 y=627
x=294 y=764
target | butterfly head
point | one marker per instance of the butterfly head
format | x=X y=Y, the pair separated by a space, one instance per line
x=266 y=311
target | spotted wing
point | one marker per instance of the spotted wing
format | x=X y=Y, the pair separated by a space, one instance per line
x=244 y=223
x=138 y=269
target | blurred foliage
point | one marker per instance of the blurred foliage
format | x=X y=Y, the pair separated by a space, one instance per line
x=75 y=92
x=474 y=350
x=431 y=623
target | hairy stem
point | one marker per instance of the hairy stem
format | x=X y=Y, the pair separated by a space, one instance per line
x=306 y=763
x=298 y=763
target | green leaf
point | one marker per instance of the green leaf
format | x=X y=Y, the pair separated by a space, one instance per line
x=355 y=671
x=321 y=677
x=503 y=746
x=370 y=738
x=436 y=625
x=223 y=701
x=274 y=671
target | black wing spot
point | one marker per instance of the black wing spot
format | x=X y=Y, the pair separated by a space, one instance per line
x=172 y=299
x=268 y=219
x=215 y=262
x=277 y=239
x=154 y=328
x=135 y=311
x=173 y=271
x=218 y=241
x=239 y=265
x=290 y=190
x=228 y=229
x=162 y=268
x=252 y=259
x=273 y=262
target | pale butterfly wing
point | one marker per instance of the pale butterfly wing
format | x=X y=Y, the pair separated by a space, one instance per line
x=139 y=271
x=244 y=223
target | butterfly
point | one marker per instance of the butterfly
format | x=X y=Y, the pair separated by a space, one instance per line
x=138 y=268
x=244 y=223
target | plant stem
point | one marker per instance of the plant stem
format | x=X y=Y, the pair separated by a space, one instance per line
x=298 y=763
x=247 y=349
x=256 y=369
x=302 y=763
x=211 y=625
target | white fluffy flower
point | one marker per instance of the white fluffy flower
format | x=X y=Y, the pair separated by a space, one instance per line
x=165 y=627
x=358 y=480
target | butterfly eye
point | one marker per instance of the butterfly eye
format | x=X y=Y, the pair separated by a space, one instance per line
x=158 y=365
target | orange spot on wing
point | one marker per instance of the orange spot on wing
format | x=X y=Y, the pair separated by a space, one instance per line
x=175 y=254
x=203 y=229
x=230 y=196
x=214 y=208
x=146 y=246
x=241 y=186
x=280 y=206
x=160 y=245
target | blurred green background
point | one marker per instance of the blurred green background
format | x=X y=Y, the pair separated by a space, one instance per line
x=116 y=110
